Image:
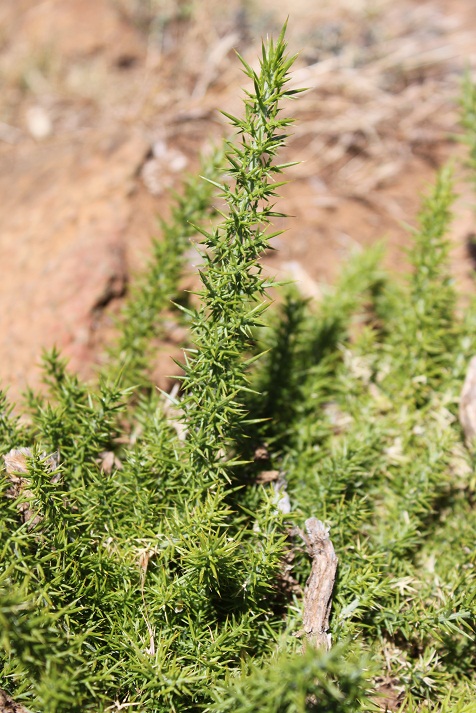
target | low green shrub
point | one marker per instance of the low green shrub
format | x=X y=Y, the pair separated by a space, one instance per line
x=146 y=561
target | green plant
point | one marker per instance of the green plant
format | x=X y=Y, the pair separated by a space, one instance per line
x=145 y=561
x=153 y=292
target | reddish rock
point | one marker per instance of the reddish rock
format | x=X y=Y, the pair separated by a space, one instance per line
x=103 y=104
x=63 y=246
x=76 y=28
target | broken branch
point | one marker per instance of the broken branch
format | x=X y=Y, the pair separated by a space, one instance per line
x=319 y=586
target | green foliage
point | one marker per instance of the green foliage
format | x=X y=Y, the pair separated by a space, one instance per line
x=307 y=681
x=233 y=297
x=425 y=336
x=468 y=122
x=143 y=554
x=158 y=286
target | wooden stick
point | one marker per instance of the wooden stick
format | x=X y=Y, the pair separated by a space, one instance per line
x=319 y=586
x=8 y=705
x=467 y=404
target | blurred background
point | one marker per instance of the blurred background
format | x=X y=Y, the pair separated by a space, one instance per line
x=105 y=104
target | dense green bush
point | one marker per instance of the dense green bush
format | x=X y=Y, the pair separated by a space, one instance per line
x=145 y=561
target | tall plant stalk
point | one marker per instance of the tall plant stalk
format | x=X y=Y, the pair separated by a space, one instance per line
x=153 y=291
x=233 y=297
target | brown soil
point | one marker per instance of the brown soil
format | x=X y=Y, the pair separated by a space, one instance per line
x=106 y=102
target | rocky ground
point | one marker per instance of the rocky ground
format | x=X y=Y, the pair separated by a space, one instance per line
x=106 y=103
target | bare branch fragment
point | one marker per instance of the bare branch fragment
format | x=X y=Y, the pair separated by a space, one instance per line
x=319 y=586
x=467 y=403
x=8 y=705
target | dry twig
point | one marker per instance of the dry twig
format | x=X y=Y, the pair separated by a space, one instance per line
x=8 y=705
x=467 y=404
x=319 y=586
